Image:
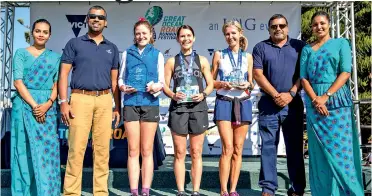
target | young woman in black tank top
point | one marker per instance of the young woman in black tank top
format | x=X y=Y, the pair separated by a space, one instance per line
x=188 y=112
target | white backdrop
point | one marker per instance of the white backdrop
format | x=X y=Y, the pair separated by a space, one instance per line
x=68 y=21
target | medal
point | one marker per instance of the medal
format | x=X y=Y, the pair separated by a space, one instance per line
x=236 y=75
x=187 y=72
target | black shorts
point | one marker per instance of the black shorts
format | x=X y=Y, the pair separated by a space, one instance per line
x=141 y=113
x=188 y=122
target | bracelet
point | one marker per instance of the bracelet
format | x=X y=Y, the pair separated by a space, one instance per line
x=314 y=99
x=51 y=100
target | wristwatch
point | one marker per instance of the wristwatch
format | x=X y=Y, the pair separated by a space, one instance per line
x=293 y=94
x=204 y=94
x=329 y=94
x=61 y=101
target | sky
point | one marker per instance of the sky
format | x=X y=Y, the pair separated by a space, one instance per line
x=19 y=30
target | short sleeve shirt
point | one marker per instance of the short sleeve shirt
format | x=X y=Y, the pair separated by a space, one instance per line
x=280 y=65
x=91 y=63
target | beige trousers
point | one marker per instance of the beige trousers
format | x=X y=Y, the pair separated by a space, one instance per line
x=91 y=114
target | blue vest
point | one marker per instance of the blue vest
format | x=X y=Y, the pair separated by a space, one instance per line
x=140 y=69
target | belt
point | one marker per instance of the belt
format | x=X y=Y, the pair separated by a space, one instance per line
x=236 y=115
x=91 y=93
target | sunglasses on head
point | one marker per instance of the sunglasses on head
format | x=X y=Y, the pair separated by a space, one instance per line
x=94 y=16
x=281 y=26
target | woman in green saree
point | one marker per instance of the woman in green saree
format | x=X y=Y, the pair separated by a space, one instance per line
x=35 y=160
x=335 y=164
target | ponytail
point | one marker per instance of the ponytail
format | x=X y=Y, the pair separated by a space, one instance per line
x=243 y=43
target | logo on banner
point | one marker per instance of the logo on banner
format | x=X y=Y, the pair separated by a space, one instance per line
x=167 y=54
x=154 y=15
x=211 y=146
x=169 y=25
x=211 y=51
x=77 y=22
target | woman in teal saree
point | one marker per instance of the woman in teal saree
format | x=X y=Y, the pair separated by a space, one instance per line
x=335 y=164
x=35 y=160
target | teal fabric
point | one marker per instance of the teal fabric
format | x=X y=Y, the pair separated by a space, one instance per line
x=335 y=163
x=35 y=160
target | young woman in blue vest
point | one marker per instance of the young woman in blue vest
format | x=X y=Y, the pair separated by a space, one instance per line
x=233 y=109
x=188 y=111
x=35 y=166
x=141 y=79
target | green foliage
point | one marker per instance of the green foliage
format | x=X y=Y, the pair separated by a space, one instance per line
x=20 y=20
x=365 y=109
x=362 y=10
x=27 y=33
x=363 y=42
x=27 y=36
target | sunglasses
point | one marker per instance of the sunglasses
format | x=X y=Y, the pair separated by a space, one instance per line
x=93 y=16
x=281 y=26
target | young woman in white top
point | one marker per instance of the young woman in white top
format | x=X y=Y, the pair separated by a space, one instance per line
x=233 y=109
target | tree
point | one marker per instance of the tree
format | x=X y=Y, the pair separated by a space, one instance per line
x=27 y=33
x=363 y=42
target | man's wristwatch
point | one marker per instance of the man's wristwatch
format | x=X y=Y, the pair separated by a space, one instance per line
x=293 y=94
x=329 y=94
x=204 y=94
x=61 y=101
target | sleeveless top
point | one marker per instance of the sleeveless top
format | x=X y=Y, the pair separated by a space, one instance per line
x=225 y=68
x=179 y=80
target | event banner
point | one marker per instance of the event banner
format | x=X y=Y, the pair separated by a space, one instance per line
x=206 y=18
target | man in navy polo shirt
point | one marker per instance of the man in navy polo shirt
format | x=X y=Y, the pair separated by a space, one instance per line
x=94 y=61
x=276 y=70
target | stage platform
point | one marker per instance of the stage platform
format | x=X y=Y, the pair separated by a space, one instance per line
x=164 y=182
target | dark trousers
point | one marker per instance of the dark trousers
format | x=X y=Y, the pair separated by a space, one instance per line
x=290 y=119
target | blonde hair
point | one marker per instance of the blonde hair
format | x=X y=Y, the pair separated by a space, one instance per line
x=243 y=41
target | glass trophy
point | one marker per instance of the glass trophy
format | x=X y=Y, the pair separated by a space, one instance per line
x=236 y=78
x=138 y=81
x=189 y=91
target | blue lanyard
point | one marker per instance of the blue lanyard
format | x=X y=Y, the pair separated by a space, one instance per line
x=189 y=71
x=232 y=60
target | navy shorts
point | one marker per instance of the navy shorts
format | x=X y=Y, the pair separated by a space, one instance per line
x=223 y=110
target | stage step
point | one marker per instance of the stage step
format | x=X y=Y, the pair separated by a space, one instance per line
x=164 y=177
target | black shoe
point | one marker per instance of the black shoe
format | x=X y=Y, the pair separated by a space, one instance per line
x=195 y=193
x=181 y=193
